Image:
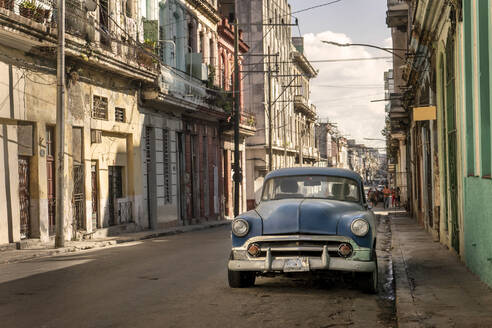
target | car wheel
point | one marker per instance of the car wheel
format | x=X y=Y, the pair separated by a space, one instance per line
x=369 y=280
x=241 y=279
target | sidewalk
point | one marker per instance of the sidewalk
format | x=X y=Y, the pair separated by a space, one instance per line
x=433 y=288
x=9 y=254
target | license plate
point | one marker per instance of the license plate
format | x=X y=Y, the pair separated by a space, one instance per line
x=296 y=265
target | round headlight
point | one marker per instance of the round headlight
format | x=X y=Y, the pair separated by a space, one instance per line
x=359 y=227
x=240 y=227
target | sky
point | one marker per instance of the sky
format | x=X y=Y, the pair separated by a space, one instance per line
x=343 y=91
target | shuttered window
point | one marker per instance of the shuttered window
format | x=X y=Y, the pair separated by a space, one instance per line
x=119 y=114
x=167 y=169
x=100 y=108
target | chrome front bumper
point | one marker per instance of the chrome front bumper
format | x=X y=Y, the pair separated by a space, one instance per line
x=277 y=264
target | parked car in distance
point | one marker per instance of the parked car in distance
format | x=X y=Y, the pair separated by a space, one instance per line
x=308 y=219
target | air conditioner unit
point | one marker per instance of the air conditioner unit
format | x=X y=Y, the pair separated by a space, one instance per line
x=96 y=136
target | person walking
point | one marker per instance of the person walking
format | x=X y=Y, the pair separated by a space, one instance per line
x=393 y=197
x=387 y=195
x=398 y=197
x=372 y=197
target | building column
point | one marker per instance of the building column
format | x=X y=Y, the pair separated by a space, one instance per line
x=135 y=184
x=39 y=185
x=86 y=144
x=9 y=198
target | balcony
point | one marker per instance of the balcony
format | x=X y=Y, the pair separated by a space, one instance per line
x=302 y=105
x=247 y=123
x=30 y=26
x=397 y=14
x=311 y=153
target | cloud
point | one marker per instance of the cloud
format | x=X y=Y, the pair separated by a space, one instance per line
x=343 y=91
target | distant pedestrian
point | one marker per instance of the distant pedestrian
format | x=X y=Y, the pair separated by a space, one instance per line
x=387 y=196
x=373 y=197
x=398 y=196
x=393 y=197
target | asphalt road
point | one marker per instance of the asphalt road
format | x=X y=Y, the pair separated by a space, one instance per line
x=179 y=281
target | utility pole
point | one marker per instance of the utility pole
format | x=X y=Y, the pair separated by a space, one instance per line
x=238 y=175
x=270 y=117
x=60 y=129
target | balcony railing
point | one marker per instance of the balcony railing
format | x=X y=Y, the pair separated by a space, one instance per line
x=119 y=39
x=248 y=120
x=39 y=11
x=301 y=103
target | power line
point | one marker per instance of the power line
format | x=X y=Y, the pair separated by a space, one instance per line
x=317 y=6
x=335 y=60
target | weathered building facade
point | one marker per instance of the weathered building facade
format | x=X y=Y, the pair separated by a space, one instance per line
x=271 y=92
x=305 y=113
x=247 y=121
x=103 y=127
x=185 y=115
x=449 y=156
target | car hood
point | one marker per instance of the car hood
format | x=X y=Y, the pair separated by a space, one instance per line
x=309 y=216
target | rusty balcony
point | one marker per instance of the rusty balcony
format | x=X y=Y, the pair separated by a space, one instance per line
x=247 y=125
x=248 y=120
x=97 y=41
x=302 y=105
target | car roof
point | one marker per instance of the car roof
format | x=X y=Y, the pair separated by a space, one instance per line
x=331 y=171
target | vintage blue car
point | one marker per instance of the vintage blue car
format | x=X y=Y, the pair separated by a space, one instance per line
x=308 y=219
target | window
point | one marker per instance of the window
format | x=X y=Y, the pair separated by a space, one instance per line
x=201 y=44
x=100 y=108
x=469 y=96
x=104 y=21
x=484 y=89
x=119 y=114
x=319 y=187
x=128 y=8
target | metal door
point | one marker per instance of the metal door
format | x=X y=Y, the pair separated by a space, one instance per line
x=24 y=196
x=78 y=197
x=452 y=145
x=115 y=191
x=181 y=176
x=430 y=211
x=95 y=202
x=50 y=174
x=148 y=169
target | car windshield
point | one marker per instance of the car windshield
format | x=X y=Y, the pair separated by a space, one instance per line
x=304 y=186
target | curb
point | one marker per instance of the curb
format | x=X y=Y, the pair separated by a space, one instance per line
x=116 y=241
x=406 y=314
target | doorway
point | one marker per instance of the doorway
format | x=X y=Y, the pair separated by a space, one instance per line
x=115 y=182
x=50 y=174
x=24 y=197
x=94 y=196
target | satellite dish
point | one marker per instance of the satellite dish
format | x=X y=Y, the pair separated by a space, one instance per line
x=90 y=5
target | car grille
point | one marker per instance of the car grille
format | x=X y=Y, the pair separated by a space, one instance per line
x=298 y=248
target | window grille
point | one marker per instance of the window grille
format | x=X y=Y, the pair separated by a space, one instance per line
x=167 y=170
x=119 y=114
x=100 y=108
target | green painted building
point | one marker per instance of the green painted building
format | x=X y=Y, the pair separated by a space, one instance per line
x=448 y=66
x=476 y=143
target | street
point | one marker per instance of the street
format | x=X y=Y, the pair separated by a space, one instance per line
x=181 y=281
